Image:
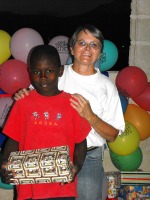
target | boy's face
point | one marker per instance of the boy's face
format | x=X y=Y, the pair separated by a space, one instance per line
x=44 y=77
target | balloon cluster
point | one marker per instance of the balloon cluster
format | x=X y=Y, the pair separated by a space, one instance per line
x=125 y=153
x=13 y=72
x=132 y=82
x=13 y=62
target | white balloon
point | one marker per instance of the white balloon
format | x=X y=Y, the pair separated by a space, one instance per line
x=5 y=105
x=61 y=44
x=22 y=41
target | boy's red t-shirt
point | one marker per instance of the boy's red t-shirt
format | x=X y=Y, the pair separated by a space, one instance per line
x=43 y=122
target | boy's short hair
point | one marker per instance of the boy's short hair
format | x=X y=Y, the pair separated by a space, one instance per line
x=43 y=51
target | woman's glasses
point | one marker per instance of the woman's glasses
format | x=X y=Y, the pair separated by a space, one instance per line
x=93 y=45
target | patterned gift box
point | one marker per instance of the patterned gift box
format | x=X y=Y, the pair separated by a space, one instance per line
x=40 y=165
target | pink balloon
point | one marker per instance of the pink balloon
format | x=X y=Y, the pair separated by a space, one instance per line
x=131 y=81
x=61 y=44
x=13 y=76
x=143 y=100
x=5 y=105
x=22 y=41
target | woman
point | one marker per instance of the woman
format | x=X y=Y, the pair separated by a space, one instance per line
x=97 y=101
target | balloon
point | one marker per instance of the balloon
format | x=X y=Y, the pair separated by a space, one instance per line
x=131 y=81
x=105 y=73
x=109 y=56
x=4 y=46
x=5 y=105
x=140 y=119
x=13 y=76
x=69 y=60
x=2 y=139
x=97 y=64
x=2 y=92
x=22 y=41
x=5 y=186
x=143 y=100
x=124 y=102
x=61 y=44
x=130 y=162
x=127 y=142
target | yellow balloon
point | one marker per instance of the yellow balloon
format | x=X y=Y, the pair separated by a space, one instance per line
x=127 y=142
x=5 y=52
x=139 y=118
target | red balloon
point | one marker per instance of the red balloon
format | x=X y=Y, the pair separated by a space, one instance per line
x=143 y=100
x=131 y=81
x=13 y=76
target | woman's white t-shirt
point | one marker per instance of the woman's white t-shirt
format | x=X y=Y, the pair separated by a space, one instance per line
x=102 y=95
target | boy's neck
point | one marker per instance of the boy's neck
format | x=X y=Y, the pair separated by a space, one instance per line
x=50 y=94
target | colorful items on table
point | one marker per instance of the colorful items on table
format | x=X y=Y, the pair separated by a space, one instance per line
x=113 y=184
x=128 y=185
x=134 y=192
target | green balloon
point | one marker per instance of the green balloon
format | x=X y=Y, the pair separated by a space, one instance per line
x=130 y=162
x=127 y=142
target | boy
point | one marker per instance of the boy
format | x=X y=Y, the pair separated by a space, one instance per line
x=45 y=119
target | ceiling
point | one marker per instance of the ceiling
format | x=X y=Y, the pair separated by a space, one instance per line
x=59 y=8
x=61 y=17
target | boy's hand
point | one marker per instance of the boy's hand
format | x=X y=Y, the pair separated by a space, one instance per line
x=74 y=170
x=5 y=174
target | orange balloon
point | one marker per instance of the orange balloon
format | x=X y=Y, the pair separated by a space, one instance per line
x=139 y=118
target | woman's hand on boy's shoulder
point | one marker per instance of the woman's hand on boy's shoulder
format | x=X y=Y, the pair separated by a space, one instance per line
x=21 y=93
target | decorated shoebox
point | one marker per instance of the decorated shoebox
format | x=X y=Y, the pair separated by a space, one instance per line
x=126 y=185
x=135 y=185
x=138 y=192
x=41 y=165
